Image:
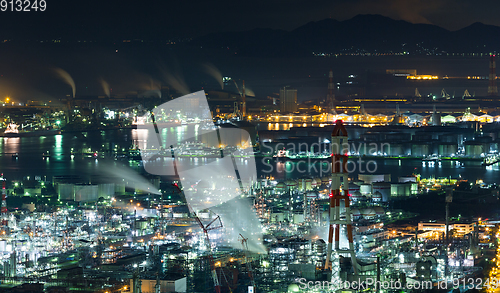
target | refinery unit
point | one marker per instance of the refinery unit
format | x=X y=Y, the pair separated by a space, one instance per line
x=138 y=235
x=348 y=156
x=278 y=232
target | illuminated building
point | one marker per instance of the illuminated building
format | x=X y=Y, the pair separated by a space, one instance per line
x=288 y=99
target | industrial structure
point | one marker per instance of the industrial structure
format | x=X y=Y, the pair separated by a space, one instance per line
x=293 y=222
x=288 y=100
x=4 y=212
x=339 y=194
x=330 y=98
x=492 y=88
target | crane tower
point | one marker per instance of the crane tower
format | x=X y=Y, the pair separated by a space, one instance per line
x=339 y=193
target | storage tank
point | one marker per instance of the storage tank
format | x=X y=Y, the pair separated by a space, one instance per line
x=66 y=191
x=384 y=188
x=368 y=213
x=326 y=180
x=447 y=149
x=86 y=192
x=291 y=184
x=365 y=189
x=356 y=214
x=475 y=149
x=106 y=190
x=401 y=189
x=300 y=184
x=353 y=188
x=377 y=196
x=281 y=186
x=308 y=184
x=312 y=195
x=356 y=196
x=420 y=149
x=413 y=188
x=120 y=188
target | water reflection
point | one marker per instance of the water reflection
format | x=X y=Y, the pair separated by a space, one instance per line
x=10 y=145
x=31 y=162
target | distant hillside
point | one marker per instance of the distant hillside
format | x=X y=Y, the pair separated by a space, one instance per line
x=360 y=34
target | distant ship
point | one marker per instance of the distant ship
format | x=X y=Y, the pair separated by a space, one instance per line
x=491 y=160
x=281 y=155
x=13 y=131
x=432 y=158
x=284 y=155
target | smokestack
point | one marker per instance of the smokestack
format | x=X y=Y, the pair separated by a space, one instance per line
x=436 y=117
x=492 y=88
x=243 y=102
x=330 y=99
x=339 y=191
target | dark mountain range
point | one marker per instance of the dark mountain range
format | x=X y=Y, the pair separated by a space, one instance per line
x=361 y=34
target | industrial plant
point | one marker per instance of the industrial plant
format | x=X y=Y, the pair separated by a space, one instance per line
x=358 y=169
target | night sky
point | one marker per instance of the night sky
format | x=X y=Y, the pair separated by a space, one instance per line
x=178 y=19
x=27 y=69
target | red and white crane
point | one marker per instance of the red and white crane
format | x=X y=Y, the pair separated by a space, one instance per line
x=244 y=243
x=216 y=223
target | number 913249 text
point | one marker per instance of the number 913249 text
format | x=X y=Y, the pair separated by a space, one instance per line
x=22 y=5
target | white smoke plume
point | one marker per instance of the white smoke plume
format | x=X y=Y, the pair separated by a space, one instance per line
x=176 y=82
x=121 y=174
x=105 y=87
x=214 y=72
x=63 y=75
